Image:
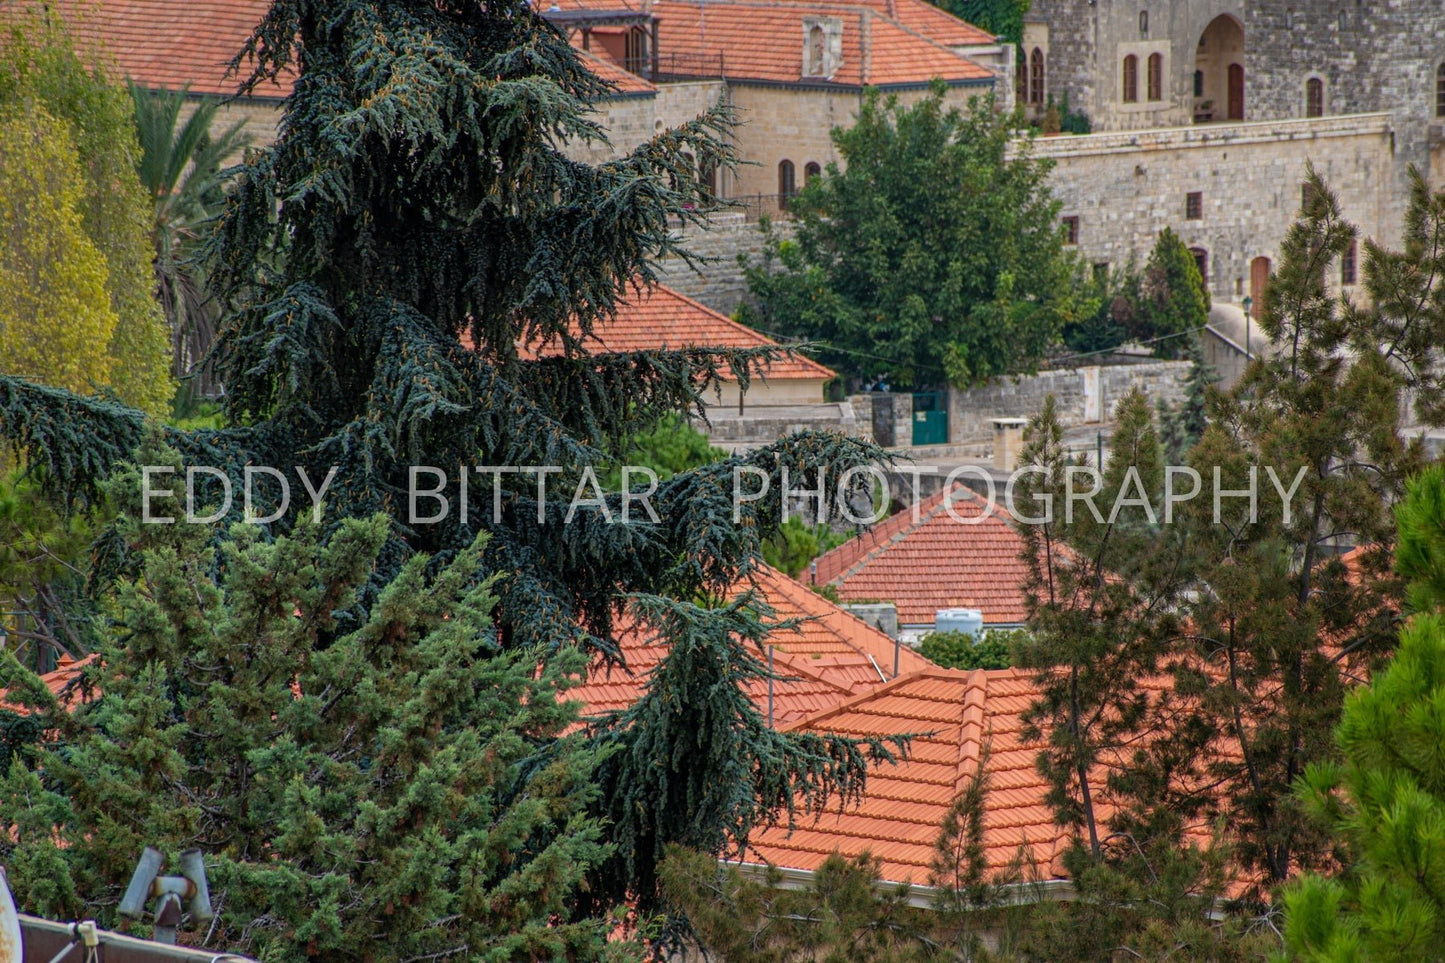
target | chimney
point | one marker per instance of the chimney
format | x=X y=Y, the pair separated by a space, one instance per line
x=865 y=44
x=1008 y=441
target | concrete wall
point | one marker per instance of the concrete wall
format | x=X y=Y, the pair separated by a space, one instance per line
x=1127 y=187
x=1083 y=395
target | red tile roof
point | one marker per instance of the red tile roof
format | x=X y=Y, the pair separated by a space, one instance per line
x=62 y=681
x=764 y=41
x=650 y=319
x=943 y=560
x=924 y=18
x=908 y=40
x=167 y=44
x=958 y=717
x=830 y=657
x=967 y=714
x=626 y=82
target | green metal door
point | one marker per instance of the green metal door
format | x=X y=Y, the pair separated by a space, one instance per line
x=930 y=418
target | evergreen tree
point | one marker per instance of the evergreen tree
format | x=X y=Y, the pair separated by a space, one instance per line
x=1180 y=427
x=416 y=220
x=40 y=68
x=1251 y=624
x=1384 y=802
x=932 y=254
x=383 y=798
x=1173 y=303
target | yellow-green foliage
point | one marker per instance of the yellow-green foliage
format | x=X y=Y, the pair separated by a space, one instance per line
x=56 y=320
x=39 y=69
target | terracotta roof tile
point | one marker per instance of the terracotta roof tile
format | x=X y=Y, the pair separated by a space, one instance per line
x=905 y=805
x=167 y=44
x=62 y=681
x=952 y=556
x=764 y=41
x=825 y=660
x=626 y=82
x=650 y=319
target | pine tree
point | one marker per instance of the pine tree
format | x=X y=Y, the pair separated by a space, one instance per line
x=1180 y=427
x=417 y=218
x=1267 y=622
x=383 y=798
x=1384 y=802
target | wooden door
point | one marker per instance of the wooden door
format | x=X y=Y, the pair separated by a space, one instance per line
x=1258 y=281
x=1236 y=92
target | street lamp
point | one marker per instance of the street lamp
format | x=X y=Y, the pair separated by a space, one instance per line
x=1248 y=306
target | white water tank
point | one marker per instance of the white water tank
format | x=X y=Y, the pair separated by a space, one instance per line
x=959 y=620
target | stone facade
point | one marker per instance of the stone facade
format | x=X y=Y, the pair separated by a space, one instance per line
x=795 y=124
x=1235 y=120
x=717 y=280
x=1083 y=395
x=1126 y=187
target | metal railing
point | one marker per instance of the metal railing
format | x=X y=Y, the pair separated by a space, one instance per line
x=675 y=65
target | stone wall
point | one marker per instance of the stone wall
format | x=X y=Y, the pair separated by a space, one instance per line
x=718 y=279
x=1127 y=187
x=795 y=123
x=1083 y=395
x=261 y=114
x=632 y=119
x=761 y=425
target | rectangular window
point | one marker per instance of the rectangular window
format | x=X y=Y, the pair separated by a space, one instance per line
x=1347 y=265
x=1194 y=205
x=1071 y=230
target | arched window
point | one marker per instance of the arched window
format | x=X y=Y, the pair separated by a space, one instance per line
x=1036 y=77
x=1021 y=81
x=1131 y=79
x=1201 y=261
x=787 y=181
x=1156 y=77
x=1440 y=91
x=1314 y=97
x=815 y=51
x=1348 y=264
x=811 y=170
x=707 y=173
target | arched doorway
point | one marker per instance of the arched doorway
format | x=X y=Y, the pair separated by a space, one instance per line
x=1219 y=72
x=1258 y=280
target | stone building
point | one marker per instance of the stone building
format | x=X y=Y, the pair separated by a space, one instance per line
x=792 y=69
x=1206 y=114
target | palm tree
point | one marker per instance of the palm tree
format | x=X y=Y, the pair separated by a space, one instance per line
x=180 y=165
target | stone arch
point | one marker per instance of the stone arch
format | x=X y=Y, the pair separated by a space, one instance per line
x=1219 y=59
x=1036 y=78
